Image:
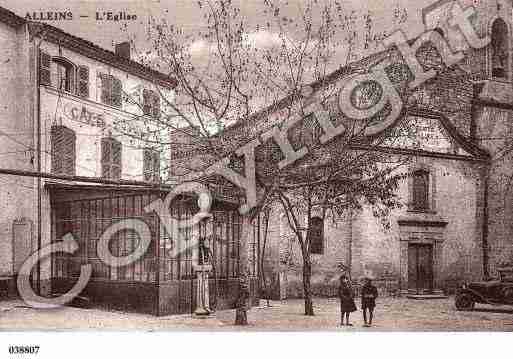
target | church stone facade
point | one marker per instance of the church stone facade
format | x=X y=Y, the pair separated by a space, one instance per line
x=455 y=223
x=462 y=229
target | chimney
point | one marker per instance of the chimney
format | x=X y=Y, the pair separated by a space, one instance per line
x=123 y=49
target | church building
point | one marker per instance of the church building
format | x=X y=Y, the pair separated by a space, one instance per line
x=456 y=222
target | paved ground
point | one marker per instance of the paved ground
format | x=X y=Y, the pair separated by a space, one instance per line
x=392 y=314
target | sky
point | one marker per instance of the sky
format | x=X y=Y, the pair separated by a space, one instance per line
x=185 y=14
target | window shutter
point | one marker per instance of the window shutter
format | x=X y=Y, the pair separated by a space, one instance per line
x=70 y=75
x=147 y=160
x=69 y=152
x=151 y=103
x=146 y=102
x=83 y=81
x=45 y=73
x=106 y=151
x=156 y=166
x=156 y=105
x=56 y=139
x=99 y=87
x=111 y=158
x=116 y=152
x=63 y=144
x=105 y=89
x=151 y=165
x=117 y=92
x=116 y=160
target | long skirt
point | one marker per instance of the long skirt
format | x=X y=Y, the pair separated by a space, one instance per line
x=347 y=305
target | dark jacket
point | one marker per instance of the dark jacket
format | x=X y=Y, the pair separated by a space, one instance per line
x=346 y=295
x=369 y=295
x=243 y=298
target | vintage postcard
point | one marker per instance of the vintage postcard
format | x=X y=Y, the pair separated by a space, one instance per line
x=256 y=165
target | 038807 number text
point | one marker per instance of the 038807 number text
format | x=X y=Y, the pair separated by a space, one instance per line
x=23 y=349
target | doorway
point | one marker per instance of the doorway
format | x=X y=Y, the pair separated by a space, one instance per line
x=420 y=268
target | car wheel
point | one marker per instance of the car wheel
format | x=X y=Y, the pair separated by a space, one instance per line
x=464 y=302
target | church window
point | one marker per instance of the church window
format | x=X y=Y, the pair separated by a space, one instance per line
x=420 y=198
x=316 y=235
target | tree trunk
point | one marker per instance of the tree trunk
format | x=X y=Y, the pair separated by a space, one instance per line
x=307 y=291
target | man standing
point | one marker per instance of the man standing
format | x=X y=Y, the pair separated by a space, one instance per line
x=369 y=295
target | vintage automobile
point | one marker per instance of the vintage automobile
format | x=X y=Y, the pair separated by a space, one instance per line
x=496 y=292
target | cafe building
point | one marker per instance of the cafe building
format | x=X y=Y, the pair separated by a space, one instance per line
x=74 y=135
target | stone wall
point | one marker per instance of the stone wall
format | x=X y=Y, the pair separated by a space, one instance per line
x=495 y=131
x=17 y=194
x=376 y=250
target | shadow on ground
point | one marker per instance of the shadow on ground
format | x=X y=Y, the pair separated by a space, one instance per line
x=493 y=310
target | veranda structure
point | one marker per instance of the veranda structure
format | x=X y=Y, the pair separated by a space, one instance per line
x=157 y=283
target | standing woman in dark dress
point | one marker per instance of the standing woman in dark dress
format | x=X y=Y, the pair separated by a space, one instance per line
x=369 y=295
x=346 y=295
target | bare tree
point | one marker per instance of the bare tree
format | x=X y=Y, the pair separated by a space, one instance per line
x=251 y=76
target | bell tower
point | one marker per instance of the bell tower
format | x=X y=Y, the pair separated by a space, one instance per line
x=491 y=70
x=492 y=18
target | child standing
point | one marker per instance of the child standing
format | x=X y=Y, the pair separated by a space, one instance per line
x=369 y=295
x=346 y=295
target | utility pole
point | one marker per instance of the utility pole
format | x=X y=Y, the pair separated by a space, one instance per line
x=38 y=158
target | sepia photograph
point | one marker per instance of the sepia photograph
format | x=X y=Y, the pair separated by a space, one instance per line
x=332 y=168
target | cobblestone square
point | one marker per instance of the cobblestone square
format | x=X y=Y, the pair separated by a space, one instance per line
x=392 y=314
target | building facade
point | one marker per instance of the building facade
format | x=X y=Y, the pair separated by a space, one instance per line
x=80 y=154
x=66 y=103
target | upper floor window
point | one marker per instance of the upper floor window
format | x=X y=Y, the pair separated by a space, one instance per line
x=420 y=195
x=151 y=103
x=63 y=75
x=315 y=235
x=83 y=81
x=63 y=142
x=111 y=90
x=45 y=69
x=151 y=165
x=499 y=48
x=111 y=158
